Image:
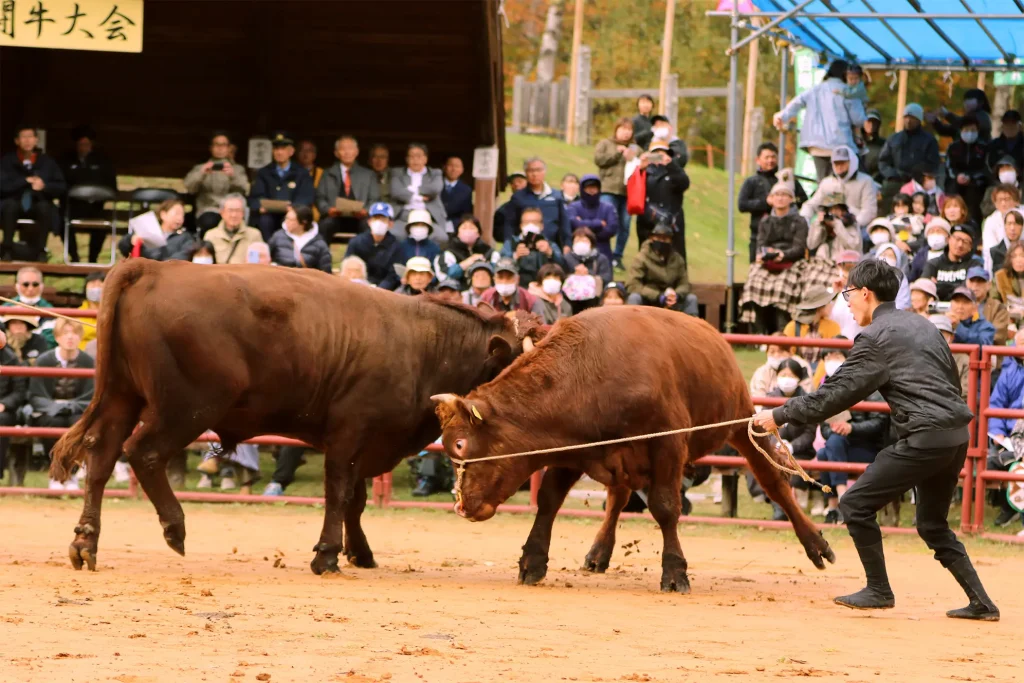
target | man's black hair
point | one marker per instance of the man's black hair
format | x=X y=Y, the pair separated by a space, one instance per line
x=25 y=126
x=876 y=276
x=645 y=97
x=837 y=69
x=767 y=145
x=218 y=133
x=657 y=118
x=794 y=367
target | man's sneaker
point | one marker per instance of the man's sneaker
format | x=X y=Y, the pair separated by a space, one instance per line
x=1006 y=516
x=227 y=483
x=122 y=472
x=273 y=489
x=56 y=485
x=72 y=484
x=205 y=482
x=424 y=487
x=834 y=517
x=778 y=514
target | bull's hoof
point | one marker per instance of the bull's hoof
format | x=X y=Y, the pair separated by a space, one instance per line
x=326 y=560
x=82 y=554
x=362 y=561
x=673 y=575
x=597 y=559
x=818 y=550
x=174 y=535
x=532 y=569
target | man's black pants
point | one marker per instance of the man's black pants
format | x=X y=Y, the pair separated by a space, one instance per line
x=288 y=460
x=43 y=212
x=896 y=469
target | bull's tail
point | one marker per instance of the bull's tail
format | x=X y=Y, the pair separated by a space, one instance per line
x=71 y=449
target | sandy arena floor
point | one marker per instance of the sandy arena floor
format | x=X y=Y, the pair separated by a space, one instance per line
x=443 y=606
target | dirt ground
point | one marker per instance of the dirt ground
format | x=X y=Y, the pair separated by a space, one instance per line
x=443 y=606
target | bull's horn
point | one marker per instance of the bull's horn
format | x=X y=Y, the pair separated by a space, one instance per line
x=527 y=344
x=444 y=398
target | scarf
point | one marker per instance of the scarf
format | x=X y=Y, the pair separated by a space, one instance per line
x=300 y=241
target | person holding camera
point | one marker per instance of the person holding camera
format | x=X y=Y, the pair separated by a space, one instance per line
x=213 y=180
x=531 y=249
x=667 y=182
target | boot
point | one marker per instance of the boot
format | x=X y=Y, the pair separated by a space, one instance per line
x=877 y=594
x=981 y=607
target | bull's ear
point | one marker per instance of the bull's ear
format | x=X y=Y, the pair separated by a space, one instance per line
x=450 y=405
x=486 y=307
x=498 y=348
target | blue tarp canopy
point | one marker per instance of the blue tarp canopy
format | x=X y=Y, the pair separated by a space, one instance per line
x=915 y=34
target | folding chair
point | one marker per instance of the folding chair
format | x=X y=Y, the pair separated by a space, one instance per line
x=92 y=194
x=146 y=197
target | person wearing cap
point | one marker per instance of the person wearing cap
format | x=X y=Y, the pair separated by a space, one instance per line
x=963 y=361
x=22 y=338
x=667 y=182
x=456 y=195
x=902 y=356
x=516 y=182
x=858 y=189
x=993 y=231
x=378 y=248
x=481 y=278
x=909 y=150
x=448 y=290
x=1007 y=393
x=657 y=275
x=833 y=229
x=506 y=294
x=661 y=131
x=86 y=165
x=949 y=269
x=538 y=195
x=774 y=284
x=991 y=309
x=346 y=179
x=753 y=195
x=419 y=228
x=922 y=295
x=873 y=144
x=975 y=102
x=830 y=117
x=614 y=294
x=596 y=215
x=967 y=172
x=936 y=236
x=213 y=180
x=813 y=321
x=417 y=276
x=969 y=326
x=418 y=187
x=530 y=248
x=611 y=157
x=1010 y=143
x=466 y=247
x=280 y=180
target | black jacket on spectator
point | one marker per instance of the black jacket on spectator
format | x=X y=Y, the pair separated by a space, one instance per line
x=753 y=199
x=666 y=185
x=457 y=200
x=949 y=274
x=43 y=391
x=897 y=355
x=13 y=390
x=13 y=174
x=531 y=264
x=315 y=253
x=1003 y=146
x=556 y=227
x=180 y=246
x=799 y=435
x=869 y=163
x=906 y=152
x=380 y=258
x=455 y=252
x=295 y=187
x=787 y=234
x=867 y=430
x=970 y=161
x=35 y=347
x=95 y=169
x=642 y=132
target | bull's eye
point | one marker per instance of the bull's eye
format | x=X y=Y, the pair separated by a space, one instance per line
x=460 y=445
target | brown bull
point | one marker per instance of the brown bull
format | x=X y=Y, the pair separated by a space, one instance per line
x=250 y=350
x=574 y=388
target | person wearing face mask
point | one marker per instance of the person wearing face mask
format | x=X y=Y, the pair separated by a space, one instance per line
x=592 y=212
x=298 y=244
x=798 y=437
x=537 y=195
x=661 y=131
x=858 y=189
x=812 y=321
x=949 y=269
x=481 y=278
x=891 y=253
x=464 y=250
x=418 y=187
x=1010 y=143
x=1010 y=284
x=852 y=436
x=548 y=292
x=912 y=148
x=28 y=283
x=993 y=230
x=936 y=236
x=1005 y=173
x=93 y=301
x=657 y=275
x=506 y=294
x=419 y=243
x=976 y=103
x=753 y=195
x=586 y=260
x=966 y=171
x=203 y=254
x=764 y=378
x=531 y=249
x=378 y=248
x=666 y=187
x=924 y=183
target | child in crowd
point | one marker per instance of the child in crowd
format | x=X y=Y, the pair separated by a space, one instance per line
x=855 y=90
x=901 y=206
x=614 y=294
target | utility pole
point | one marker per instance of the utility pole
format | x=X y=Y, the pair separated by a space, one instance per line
x=574 y=75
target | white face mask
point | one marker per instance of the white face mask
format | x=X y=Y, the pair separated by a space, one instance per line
x=94 y=294
x=787 y=385
x=379 y=228
x=203 y=260
x=891 y=260
x=419 y=232
x=662 y=133
x=831 y=366
x=1009 y=177
x=531 y=229
x=775 y=361
x=879 y=237
x=30 y=300
x=936 y=241
x=551 y=286
x=505 y=288
x=581 y=248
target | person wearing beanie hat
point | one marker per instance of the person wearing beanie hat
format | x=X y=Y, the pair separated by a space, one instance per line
x=600 y=217
x=979 y=281
x=858 y=189
x=969 y=327
x=911 y=149
x=949 y=269
x=753 y=195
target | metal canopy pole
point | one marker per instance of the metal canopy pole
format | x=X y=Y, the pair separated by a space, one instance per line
x=730 y=163
x=735 y=47
x=868 y=15
x=783 y=88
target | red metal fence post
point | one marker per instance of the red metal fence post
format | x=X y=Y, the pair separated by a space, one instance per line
x=972 y=450
x=978 y=518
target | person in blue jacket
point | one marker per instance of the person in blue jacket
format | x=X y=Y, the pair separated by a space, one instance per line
x=378 y=247
x=590 y=212
x=281 y=180
x=1007 y=394
x=969 y=325
x=418 y=243
x=538 y=195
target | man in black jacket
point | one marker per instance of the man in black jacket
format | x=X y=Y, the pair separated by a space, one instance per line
x=949 y=270
x=29 y=182
x=903 y=356
x=84 y=165
x=753 y=197
x=280 y=180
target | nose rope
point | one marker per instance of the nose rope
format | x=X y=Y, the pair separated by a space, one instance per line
x=791 y=466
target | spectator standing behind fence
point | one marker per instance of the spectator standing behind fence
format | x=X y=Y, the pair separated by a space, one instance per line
x=418 y=187
x=911 y=150
x=1005 y=172
x=949 y=270
x=378 y=248
x=666 y=184
x=753 y=196
x=60 y=401
x=280 y=180
x=548 y=292
x=85 y=165
x=419 y=228
x=967 y=172
x=180 y=242
x=829 y=120
x=641 y=123
x=29 y=182
x=298 y=244
x=28 y=283
x=380 y=158
x=873 y=144
x=612 y=155
x=231 y=238
x=590 y=211
x=538 y=195
x=507 y=295
x=976 y=103
x=213 y=180
x=1010 y=143
x=993 y=231
x=345 y=180
x=858 y=189
x=481 y=278
x=657 y=275
x=516 y=182
x=466 y=247
x=991 y=309
x=1010 y=284
x=456 y=195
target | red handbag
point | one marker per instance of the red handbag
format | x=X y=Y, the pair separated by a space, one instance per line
x=636 y=192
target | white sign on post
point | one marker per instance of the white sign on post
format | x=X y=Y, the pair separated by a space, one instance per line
x=260 y=152
x=485 y=163
x=41 y=134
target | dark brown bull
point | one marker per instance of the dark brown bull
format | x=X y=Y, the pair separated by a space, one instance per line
x=250 y=350
x=574 y=388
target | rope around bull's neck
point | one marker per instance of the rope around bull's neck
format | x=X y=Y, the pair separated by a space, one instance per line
x=45 y=311
x=795 y=468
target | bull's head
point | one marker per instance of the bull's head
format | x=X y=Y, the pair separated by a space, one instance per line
x=472 y=430
x=520 y=331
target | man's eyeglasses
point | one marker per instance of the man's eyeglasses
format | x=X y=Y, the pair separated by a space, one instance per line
x=846 y=293
x=30 y=284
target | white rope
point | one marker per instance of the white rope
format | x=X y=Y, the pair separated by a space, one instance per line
x=45 y=311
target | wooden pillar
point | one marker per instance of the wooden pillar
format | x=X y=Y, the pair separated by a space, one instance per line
x=574 y=83
x=666 y=56
x=581 y=96
x=748 y=108
x=901 y=100
x=485 y=175
x=981 y=80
